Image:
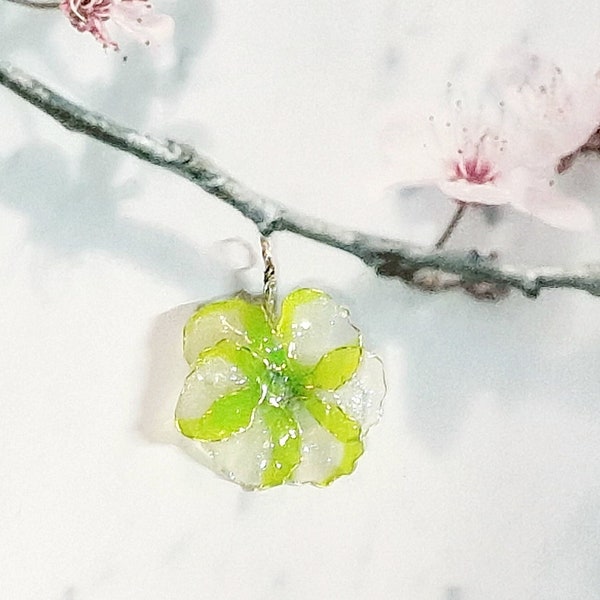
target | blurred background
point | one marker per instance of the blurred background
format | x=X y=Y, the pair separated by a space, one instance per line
x=481 y=480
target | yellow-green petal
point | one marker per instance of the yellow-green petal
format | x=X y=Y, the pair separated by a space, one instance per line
x=237 y=319
x=343 y=428
x=352 y=452
x=220 y=393
x=241 y=358
x=227 y=415
x=285 y=443
x=333 y=419
x=362 y=395
x=336 y=368
x=324 y=456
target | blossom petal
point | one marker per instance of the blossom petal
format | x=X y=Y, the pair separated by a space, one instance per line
x=284 y=442
x=555 y=111
x=478 y=193
x=336 y=368
x=333 y=418
x=227 y=415
x=312 y=324
x=141 y=23
x=535 y=192
x=324 y=456
x=243 y=457
x=262 y=456
x=220 y=394
x=361 y=397
x=241 y=321
x=91 y=18
x=556 y=209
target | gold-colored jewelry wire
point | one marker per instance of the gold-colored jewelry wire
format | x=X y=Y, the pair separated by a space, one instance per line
x=269 y=279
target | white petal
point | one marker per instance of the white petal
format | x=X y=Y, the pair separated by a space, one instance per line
x=483 y=193
x=141 y=23
x=556 y=209
x=555 y=111
x=322 y=453
x=244 y=456
x=535 y=193
x=224 y=320
x=361 y=397
x=312 y=324
x=210 y=380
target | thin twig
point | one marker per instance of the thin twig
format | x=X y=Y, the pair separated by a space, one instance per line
x=34 y=4
x=591 y=146
x=390 y=258
x=456 y=217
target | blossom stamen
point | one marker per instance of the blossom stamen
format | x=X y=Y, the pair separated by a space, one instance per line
x=474 y=170
x=74 y=4
x=99 y=17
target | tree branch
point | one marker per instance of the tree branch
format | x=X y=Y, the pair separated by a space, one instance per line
x=479 y=275
x=35 y=4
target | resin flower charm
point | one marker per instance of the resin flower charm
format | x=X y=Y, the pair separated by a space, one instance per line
x=284 y=402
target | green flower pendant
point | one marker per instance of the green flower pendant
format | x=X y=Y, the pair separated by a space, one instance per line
x=278 y=402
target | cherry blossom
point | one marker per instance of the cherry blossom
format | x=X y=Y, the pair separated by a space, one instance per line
x=559 y=110
x=135 y=17
x=506 y=152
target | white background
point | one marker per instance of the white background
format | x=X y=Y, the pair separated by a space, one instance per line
x=480 y=482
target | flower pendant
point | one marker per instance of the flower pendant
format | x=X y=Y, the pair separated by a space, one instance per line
x=278 y=400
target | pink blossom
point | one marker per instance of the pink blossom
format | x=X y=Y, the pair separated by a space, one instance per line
x=512 y=158
x=559 y=110
x=135 y=17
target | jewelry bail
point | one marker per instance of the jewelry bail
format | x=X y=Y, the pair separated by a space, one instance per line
x=269 y=279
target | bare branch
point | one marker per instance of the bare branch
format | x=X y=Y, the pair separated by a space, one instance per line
x=480 y=276
x=34 y=4
x=591 y=146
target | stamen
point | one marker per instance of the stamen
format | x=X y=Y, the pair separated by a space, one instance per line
x=75 y=4
x=475 y=170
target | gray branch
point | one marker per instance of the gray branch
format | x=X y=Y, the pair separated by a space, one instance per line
x=34 y=4
x=480 y=276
